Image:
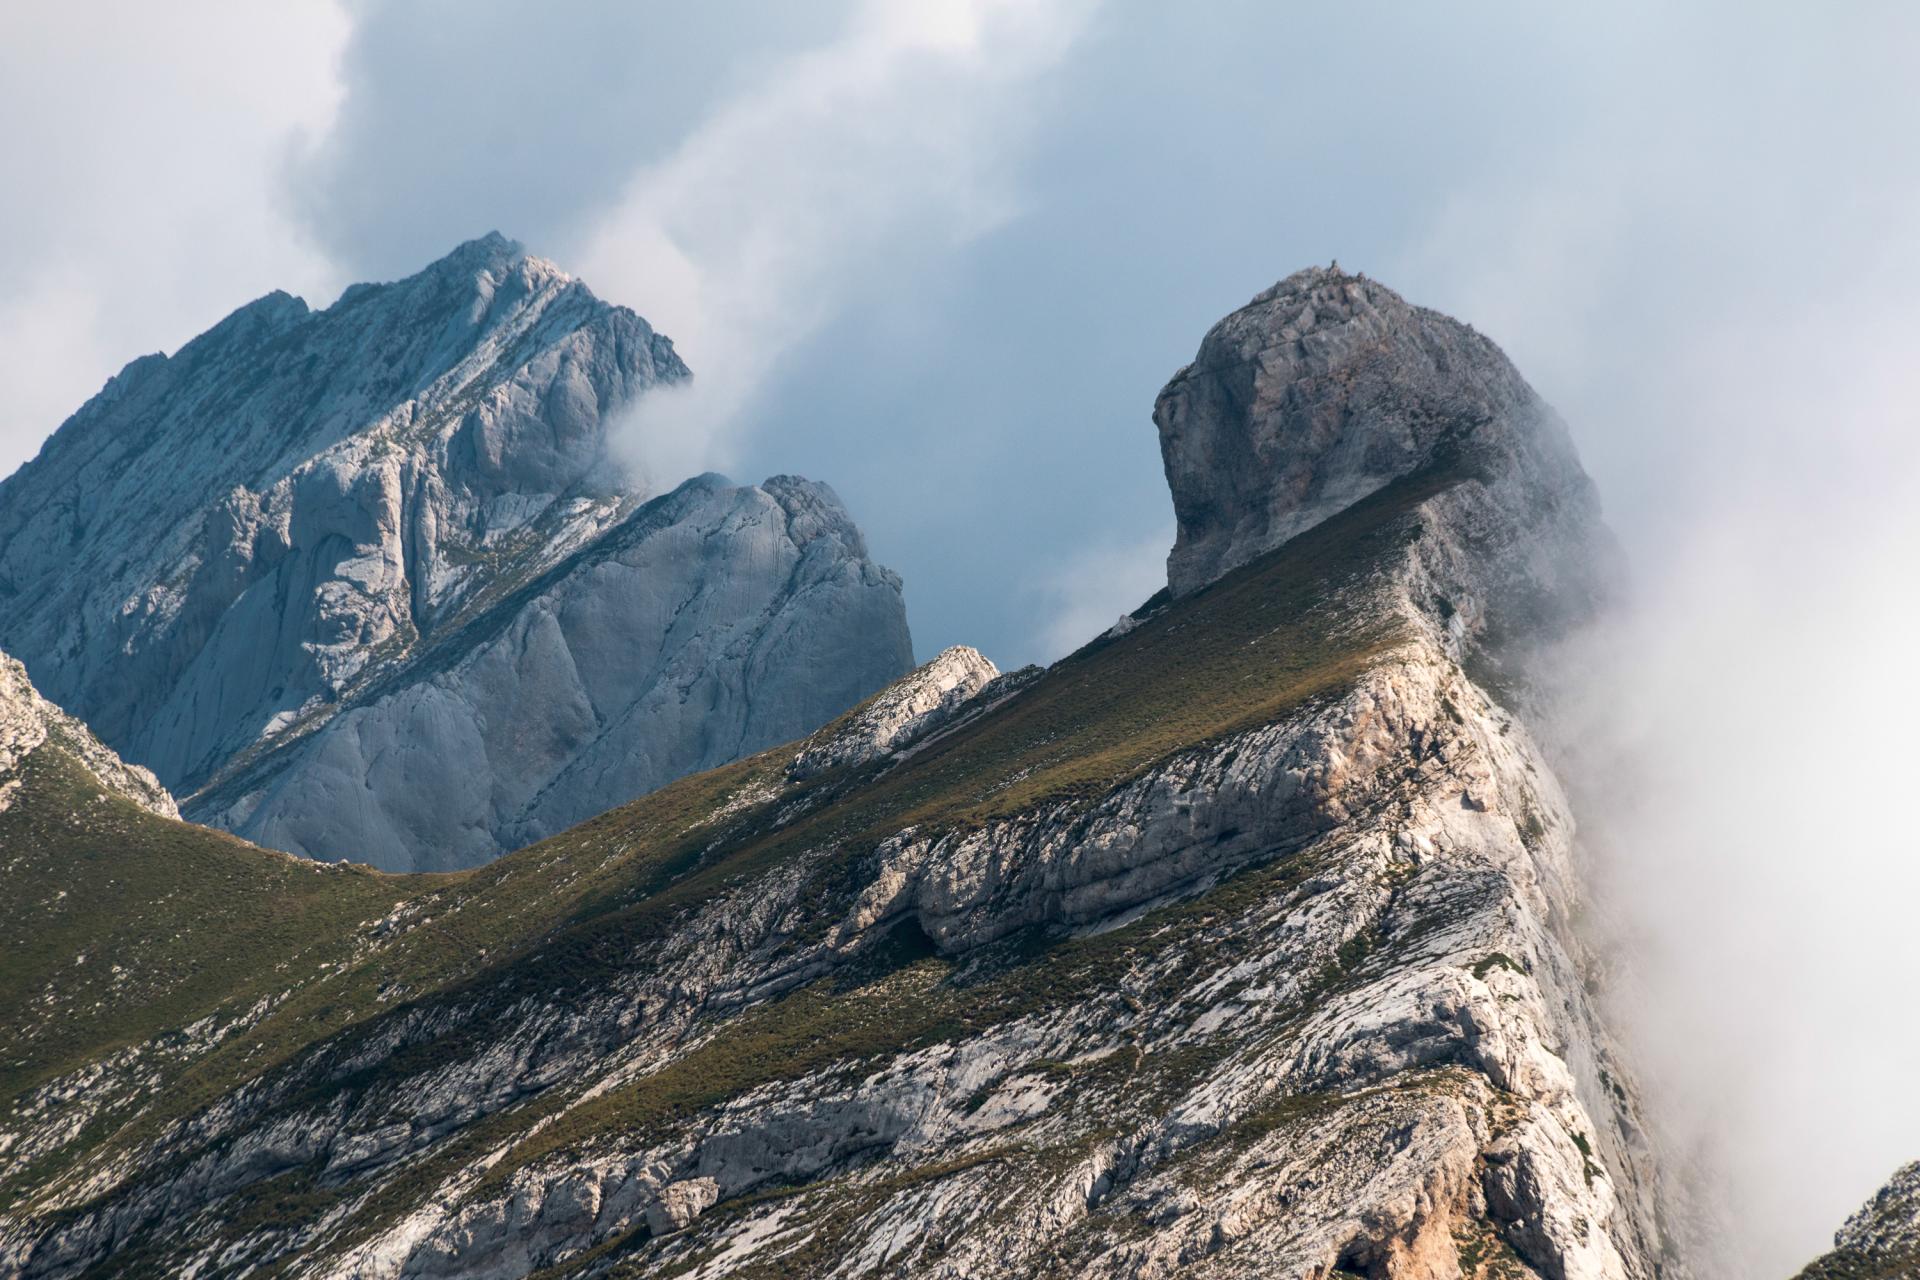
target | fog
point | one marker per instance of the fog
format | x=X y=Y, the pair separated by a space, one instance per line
x=812 y=189
x=944 y=261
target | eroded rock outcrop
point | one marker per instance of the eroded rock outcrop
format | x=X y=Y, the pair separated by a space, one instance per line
x=1329 y=386
x=905 y=710
x=27 y=721
x=303 y=515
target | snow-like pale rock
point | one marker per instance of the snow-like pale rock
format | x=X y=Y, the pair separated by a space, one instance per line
x=287 y=566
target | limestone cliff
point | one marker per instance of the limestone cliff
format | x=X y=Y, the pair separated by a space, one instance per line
x=302 y=515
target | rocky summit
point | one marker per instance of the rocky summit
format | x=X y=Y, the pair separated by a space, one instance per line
x=1329 y=386
x=1239 y=943
x=368 y=582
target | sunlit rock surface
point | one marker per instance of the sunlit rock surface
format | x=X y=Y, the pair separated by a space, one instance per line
x=305 y=514
x=907 y=709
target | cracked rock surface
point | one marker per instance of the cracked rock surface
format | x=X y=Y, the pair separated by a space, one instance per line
x=299 y=568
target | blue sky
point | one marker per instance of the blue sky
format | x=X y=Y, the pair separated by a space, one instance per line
x=944 y=255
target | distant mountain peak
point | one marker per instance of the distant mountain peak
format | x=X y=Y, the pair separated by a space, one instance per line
x=495 y=254
x=225 y=548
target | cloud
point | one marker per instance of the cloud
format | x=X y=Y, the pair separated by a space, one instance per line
x=808 y=190
x=1713 y=278
x=1094 y=588
x=143 y=148
x=463 y=116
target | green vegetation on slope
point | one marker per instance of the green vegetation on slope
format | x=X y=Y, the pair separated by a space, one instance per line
x=1851 y=1264
x=122 y=924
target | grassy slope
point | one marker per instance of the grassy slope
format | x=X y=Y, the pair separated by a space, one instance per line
x=122 y=924
x=565 y=913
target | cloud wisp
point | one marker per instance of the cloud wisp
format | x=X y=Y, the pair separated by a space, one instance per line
x=811 y=188
x=144 y=154
x=1095 y=587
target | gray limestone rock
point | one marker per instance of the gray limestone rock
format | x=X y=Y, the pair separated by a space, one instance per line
x=1328 y=387
x=714 y=622
x=355 y=514
x=27 y=720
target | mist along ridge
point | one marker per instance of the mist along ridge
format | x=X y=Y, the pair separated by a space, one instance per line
x=1238 y=943
x=376 y=582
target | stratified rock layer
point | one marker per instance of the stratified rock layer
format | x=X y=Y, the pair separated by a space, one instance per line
x=302 y=514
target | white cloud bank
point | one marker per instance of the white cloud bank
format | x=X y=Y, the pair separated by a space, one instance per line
x=143 y=147
x=798 y=195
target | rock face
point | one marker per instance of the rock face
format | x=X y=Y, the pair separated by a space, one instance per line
x=304 y=514
x=28 y=721
x=710 y=624
x=1237 y=944
x=1327 y=387
x=905 y=710
x=1882 y=1241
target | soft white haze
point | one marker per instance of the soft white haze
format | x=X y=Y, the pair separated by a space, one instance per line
x=803 y=193
x=1716 y=280
x=942 y=256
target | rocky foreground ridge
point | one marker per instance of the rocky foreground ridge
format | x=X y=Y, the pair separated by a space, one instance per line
x=368 y=582
x=1238 y=944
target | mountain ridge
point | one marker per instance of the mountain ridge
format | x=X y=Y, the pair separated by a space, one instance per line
x=339 y=492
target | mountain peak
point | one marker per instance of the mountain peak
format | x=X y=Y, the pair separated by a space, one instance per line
x=490 y=252
x=1328 y=387
x=368 y=458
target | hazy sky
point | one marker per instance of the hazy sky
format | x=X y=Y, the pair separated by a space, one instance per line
x=944 y=255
